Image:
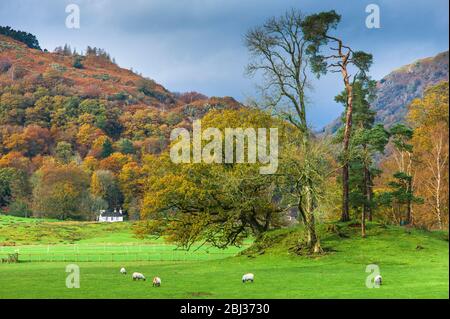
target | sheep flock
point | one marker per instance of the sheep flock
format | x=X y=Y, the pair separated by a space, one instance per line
x=248 y=277
x=156 y=282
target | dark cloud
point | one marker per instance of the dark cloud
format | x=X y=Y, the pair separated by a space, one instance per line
x=197 y=44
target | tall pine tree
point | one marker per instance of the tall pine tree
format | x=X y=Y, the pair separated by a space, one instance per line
x=367 y=140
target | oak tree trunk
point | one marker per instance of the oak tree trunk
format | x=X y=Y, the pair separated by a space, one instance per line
x=306 y=208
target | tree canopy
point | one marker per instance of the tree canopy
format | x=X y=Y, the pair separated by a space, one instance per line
x=29 y=39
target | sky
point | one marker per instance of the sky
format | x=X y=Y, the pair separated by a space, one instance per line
x=197 y=45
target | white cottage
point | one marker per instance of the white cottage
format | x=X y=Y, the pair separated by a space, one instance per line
x=110 y=216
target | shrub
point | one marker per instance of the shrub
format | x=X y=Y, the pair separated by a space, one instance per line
x=120 y=96
x=58 y=67
x=77 y=62
x=18 y=72
x=19 y=208
x=91 y=91
x=103 y=77
x=5 y=65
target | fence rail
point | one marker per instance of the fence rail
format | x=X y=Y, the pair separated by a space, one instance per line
x=108 y=252
x=111 y=257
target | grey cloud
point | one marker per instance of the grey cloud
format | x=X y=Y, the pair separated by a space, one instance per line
x=198 y=44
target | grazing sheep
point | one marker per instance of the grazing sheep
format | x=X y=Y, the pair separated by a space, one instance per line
x=378 y=280
x=123 y=271
x=248 y=277
x=156 y=282
x=138 y=276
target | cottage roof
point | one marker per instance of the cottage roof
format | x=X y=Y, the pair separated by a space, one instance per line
x=110 y=213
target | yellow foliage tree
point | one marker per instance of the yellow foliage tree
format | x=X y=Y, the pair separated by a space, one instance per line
x=429 y=117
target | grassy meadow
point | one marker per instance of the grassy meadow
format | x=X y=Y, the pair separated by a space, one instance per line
x=413 y=263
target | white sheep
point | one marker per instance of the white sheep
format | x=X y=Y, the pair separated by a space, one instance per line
x=123 y=271
x=138 y=276
x=156 y=282
x=378 y=280
x=248 y=277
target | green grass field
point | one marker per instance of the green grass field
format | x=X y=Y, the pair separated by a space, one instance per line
x=413 y=263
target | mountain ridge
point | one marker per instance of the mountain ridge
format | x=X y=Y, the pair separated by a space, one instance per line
x=400 y=87
x=103 y=75
x=87 y=105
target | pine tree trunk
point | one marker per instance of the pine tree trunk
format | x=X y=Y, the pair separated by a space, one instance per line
x=369 y=195
x=366 y=205
x=363 y=224
x=346 y=143
x=345 y=192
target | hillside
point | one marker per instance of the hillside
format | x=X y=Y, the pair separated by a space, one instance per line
x=82 y=122
x=98 y=76
x=34 y=74
x=396 y=90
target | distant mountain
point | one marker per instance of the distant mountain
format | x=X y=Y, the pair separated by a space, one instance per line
x=396 y=90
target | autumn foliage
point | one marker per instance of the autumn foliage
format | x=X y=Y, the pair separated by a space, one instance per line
x=75 y=124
